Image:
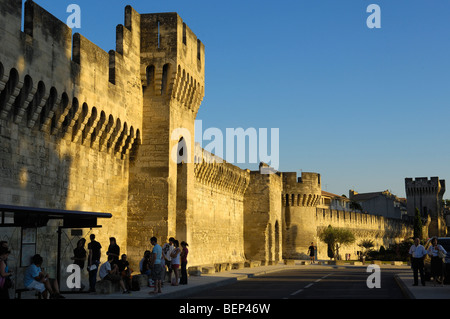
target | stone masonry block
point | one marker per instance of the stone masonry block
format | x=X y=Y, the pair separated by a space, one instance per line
x=106 y=287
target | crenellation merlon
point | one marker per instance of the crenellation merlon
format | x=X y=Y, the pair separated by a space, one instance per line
x=211 y=170
x=290 y=179
x=304 y=191
x=11 y=13
x=433 y=184
x=47 y=30
x=172 y=59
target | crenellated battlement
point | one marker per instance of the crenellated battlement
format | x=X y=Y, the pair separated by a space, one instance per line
x=67 y=86
x=423 y=185
x=173 y=60
x=363 y=225
x=213 y=171
x=304 y=191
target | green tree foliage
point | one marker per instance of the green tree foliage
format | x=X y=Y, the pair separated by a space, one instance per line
x=335 y=238
x=418 y=224
x=367 y=244
x=355 y=206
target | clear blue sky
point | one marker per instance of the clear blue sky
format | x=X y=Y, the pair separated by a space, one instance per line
x=363 y=107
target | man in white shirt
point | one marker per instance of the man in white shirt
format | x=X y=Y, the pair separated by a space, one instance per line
x=417 y=253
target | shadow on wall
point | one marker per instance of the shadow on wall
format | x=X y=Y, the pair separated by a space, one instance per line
x=55 y=148
x=33 y=171
x=45 y=140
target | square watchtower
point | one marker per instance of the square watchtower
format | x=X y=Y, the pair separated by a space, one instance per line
x=172 y=62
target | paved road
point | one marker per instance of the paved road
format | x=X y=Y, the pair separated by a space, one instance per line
x=319 y=283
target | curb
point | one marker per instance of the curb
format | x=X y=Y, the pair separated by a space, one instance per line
x=194 y=290
x=406 y=292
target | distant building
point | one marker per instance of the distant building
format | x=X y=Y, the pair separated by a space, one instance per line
x=333 y=201
x=426 y=195
x=380 y=203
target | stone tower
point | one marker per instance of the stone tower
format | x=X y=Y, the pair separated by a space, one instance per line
x=300 y=200
x=262 y=216
x=426 y=195
x=173 y=75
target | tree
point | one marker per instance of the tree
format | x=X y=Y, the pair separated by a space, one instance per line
x=330 y=252
x=335 y=238
x=367 y=244
x=355 y=206
x=418 y=225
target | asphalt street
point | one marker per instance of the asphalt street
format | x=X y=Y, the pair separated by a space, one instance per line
x=331 y=283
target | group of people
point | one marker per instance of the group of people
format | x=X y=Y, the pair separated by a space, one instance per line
x=153 y=263
x=157 y=264
x=115 y=268
x=165 y=260
x=437 y=253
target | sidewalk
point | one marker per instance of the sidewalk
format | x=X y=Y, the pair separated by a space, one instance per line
x=204 y=282
x=429 y=291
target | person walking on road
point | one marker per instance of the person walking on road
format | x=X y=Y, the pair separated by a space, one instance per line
x=312 y=252
x=417 y=253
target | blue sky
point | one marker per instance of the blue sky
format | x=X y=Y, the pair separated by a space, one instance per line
x=363 y=107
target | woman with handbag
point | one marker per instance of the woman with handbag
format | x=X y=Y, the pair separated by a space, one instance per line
x=437 y=253
x=5 y=276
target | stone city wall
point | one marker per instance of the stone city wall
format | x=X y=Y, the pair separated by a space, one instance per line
x=217 y=232
x=68 y=120
x=84 y=129
x=383 y=231
x=304 y=221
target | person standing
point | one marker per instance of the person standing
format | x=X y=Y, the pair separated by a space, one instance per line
x=156 y=264
x=417 y=253
x=79 y=253
x=94 y=248
x=5 y=275
x=437 y=263
x=176 y=261
x=183 y=256
x=312 y=252
x=79 y=256
x=167 y=251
